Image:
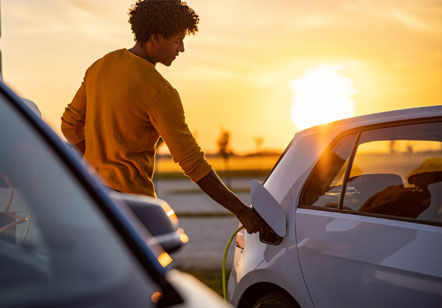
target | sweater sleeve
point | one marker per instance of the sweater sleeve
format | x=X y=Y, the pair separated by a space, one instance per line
x=167 y=116
x=73 y=119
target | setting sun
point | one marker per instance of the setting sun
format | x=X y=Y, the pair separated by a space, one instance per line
x=320 y=96
x=342 y=59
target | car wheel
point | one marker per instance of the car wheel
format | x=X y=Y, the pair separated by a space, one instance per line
x=275 y=300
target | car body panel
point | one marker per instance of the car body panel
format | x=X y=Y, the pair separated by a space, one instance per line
x=158 y=218
x=382 y=261
x=277 y=265
x=195 y=293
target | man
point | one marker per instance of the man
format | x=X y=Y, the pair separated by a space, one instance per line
x=124 y=105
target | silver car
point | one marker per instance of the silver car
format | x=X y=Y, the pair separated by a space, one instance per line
x=64 y=242
x=361 y=216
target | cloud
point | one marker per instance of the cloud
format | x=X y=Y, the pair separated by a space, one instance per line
x=99 y=19
x=423 y=15
x=92 y=7
x=411 y=22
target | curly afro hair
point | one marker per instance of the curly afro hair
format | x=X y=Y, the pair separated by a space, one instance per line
x=163 y=17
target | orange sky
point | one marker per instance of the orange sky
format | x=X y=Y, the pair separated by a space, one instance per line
x=238 y=69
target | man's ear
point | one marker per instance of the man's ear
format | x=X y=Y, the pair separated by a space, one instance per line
x=155 y=38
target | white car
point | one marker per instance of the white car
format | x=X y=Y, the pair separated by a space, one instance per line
x=361 y=216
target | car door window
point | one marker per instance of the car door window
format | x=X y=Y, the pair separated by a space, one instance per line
x=397 y=171
x=56 y=246
x=324 y=187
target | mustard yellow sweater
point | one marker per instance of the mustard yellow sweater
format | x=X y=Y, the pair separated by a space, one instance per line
x=120 y=110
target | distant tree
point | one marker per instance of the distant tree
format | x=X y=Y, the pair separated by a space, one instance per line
x=258 y=143
x=392 y=146
x=225 y=152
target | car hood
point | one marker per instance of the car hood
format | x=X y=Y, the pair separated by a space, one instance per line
x=194 y=293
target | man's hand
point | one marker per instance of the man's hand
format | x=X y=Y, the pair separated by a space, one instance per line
x=251 y=221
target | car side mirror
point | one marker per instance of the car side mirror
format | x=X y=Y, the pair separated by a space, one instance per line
x=157 y=217
x=270 y=211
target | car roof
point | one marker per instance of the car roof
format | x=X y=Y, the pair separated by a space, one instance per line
x=378 y=118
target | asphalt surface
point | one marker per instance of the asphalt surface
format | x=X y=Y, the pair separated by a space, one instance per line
x=203 y=220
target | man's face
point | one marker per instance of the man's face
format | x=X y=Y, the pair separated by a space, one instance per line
x=167 y=49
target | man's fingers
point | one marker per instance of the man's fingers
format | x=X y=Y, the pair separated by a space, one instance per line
x=252 y=227
x=262 y=229
x=249 y=230
x=254 y=223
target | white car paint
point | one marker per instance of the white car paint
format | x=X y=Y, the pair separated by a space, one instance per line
x=361 y=268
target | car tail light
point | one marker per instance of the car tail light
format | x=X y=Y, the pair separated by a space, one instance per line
x=239 y=242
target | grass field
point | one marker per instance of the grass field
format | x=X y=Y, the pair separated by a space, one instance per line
x=237 y=166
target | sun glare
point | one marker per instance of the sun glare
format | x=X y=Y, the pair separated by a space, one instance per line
x=320 y=96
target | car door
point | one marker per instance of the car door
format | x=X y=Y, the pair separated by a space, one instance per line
x=369 y=220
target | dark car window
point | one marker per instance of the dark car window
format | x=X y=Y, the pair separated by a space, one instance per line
x=56 y=247
x=325 y=184
x=397 y=171
x=394 y=171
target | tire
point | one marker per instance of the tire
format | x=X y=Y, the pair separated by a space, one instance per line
x=275 y=300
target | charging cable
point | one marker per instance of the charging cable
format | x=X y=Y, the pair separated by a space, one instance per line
x=226 y=250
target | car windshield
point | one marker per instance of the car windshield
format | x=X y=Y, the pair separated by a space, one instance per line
x=56 y=247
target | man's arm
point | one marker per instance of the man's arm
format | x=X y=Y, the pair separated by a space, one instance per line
x=72 y=121
x=212 y=185
x=167 y=116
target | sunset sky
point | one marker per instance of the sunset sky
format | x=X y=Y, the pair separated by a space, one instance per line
x=256 y=68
